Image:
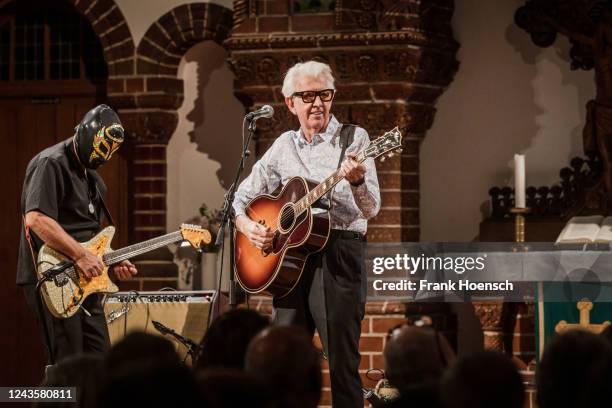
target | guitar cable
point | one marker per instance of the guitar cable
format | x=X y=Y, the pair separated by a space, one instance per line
x=46 y=278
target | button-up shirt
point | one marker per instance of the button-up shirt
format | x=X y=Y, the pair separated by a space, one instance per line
x=292 y=155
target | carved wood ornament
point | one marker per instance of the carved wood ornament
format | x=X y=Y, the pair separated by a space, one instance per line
x=588 y=26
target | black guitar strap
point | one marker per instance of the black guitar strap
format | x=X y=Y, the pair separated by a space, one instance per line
x=109 y=217
x=107 y=213
x=347 y=135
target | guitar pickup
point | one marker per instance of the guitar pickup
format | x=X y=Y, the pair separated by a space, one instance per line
x=60 y=280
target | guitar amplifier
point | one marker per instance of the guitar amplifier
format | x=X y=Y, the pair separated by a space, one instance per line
x=188 y=313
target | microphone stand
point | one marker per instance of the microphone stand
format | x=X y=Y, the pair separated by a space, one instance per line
x=192 y=347
x=227 y=209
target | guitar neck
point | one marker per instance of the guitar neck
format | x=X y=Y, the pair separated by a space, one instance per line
x=319 y=191
x=141 y=248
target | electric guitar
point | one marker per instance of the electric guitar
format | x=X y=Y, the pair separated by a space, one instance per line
x=66 y=288
x=298 y=232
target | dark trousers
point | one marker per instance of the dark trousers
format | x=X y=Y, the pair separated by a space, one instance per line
x=331 y=298
x=77 y=334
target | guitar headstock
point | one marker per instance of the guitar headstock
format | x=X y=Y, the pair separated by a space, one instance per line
x=195 y=234
x=387 y=144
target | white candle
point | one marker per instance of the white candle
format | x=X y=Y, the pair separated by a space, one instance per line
x=519 y=181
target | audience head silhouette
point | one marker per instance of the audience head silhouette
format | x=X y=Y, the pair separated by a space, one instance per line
x=228 y=337
x=285 y=358
x=83 y=371
x=575 y=371
x=413 y=358
x=230 y=387
x=144 y=369
x=482 y=380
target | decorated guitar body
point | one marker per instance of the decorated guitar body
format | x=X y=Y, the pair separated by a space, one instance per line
x=61 y=295
x=65 y=292
x=297 y=231
x=278 y=271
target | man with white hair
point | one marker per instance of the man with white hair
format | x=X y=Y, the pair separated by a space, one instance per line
x=332 y=291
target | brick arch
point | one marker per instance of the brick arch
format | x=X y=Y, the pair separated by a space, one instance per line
x=148 y=97
x=113 y=32
x=166 y=41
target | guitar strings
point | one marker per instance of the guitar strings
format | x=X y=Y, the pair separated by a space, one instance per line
x=114 y=260
x=286 y=217
x=127 y=250
x=114 y=257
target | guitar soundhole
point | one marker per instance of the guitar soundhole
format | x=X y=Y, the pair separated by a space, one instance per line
x=287 y=218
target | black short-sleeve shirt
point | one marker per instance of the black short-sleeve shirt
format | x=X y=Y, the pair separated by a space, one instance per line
x=55 y=185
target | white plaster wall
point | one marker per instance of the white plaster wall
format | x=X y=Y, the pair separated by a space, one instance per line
x=204 y=150
x=507 y=97
x=140 y=14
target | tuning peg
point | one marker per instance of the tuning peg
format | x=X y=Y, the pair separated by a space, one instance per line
x=382 y=159
x=399 y=150
x=390 y=155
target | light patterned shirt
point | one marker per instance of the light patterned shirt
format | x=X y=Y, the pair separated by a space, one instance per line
x=291 y=155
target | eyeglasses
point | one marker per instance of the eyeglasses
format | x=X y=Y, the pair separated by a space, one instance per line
x=326 y=95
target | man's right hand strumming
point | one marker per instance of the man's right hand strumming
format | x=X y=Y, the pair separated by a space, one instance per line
x=259 y=235
x=90 y=265
x=55 y=237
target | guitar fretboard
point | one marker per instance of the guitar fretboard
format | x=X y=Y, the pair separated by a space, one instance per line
x=141 y=248
x=313 y=195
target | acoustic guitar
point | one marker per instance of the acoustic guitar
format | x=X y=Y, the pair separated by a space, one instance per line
x=298 y=232
x=65 y=292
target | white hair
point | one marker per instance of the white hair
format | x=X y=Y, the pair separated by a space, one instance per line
x=313 y=69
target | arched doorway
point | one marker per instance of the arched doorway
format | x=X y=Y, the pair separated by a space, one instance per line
x=52 y=71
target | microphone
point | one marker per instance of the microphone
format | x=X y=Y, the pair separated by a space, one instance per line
x=265 y=111
x=162 y=329
x=191 y=345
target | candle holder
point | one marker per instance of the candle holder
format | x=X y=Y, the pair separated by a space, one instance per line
x=519 y=223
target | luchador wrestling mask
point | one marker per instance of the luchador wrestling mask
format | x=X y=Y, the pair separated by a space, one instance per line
x=98 y=136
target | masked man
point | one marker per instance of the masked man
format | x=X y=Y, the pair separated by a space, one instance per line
x=331 y=293
x=62 y=204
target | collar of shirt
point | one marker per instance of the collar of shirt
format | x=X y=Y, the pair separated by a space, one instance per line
x=327 y=136
x=72 y=158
